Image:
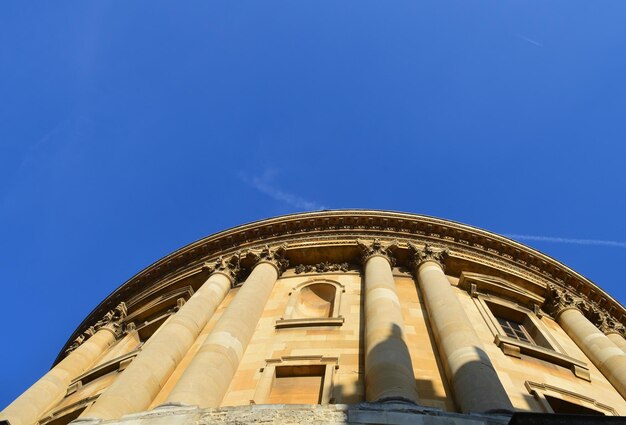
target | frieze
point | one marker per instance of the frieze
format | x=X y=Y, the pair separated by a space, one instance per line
x=469 y=243
x=323 y=267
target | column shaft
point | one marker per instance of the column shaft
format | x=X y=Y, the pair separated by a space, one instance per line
x=205 y=381
x=142 y=380
x=469 y=370
x=388 y=368
x=52 y=387
x=618 y=340
x=607 y=356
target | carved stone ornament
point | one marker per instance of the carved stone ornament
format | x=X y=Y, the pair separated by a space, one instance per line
x=560 y=299
x=112 y=320
x=377 y=247
x=276 y=256
x=609 y=325
x=427 y=253
x=324 y=267
x=230 y=267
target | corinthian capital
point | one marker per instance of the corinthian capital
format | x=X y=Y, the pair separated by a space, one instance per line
x=370 y=249
x=560 y=299
x=427 y=253
x=609 y=325
x=227 y=266
x=275 y=256
x=112 y=321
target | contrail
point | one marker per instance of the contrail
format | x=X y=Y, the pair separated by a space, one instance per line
x=263 y=185
x=530 y=40
x=596 y=242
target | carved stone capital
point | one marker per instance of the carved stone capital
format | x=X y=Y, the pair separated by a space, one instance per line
x=275 y=256
x=111 y=321
x=227 y=266
x=560 y=299
x=609 y=325
x=370 y=249
x=427 y=253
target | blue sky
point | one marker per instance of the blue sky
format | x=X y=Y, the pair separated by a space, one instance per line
x=129 y=129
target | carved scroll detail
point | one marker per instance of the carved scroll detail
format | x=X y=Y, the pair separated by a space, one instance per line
x=377 y=247
x=427 y=253
x=324 y=267
x=112 y=320
x=230 y=267
x=276 y=256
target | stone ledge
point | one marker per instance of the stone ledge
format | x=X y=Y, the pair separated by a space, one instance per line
x=290 y=414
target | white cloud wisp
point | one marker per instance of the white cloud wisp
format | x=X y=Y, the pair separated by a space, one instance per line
x=571 y=241
x=264 y=185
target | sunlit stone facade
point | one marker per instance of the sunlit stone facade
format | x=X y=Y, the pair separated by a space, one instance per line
x=341 y=317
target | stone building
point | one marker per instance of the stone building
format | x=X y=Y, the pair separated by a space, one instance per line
x=336 y=317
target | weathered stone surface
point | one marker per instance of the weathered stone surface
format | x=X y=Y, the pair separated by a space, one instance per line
x=284 y=414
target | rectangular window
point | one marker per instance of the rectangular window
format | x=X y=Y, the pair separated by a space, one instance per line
x=519 y=332
x=514 y=330
x=564 y=401
x=565 y=407
x=296 y=380
x=298 y=385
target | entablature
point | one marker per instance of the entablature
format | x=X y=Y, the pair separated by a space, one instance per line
x=330 y=236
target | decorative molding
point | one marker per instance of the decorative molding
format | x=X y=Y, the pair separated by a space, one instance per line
x=275 y=256
x=111 y=321
x=427 y=253
x=560 y=299
x=478 y=283
x=370 y=249
x=540 y=390
x=323 y=267
x=341 y=228
x=609 y=325
x=227 y=266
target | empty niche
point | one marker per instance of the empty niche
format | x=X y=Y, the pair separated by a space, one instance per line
x=313 y=303
x=316 y=300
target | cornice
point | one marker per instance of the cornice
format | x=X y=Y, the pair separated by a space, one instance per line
x=339 y=226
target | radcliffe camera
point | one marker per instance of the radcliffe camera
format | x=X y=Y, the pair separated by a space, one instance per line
x=341 y=317
x=283 y=212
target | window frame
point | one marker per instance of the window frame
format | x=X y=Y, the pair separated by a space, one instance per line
x=540 y=390
x=268 y=375
x=486 y=290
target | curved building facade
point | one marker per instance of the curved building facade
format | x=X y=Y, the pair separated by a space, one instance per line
x=341 y=317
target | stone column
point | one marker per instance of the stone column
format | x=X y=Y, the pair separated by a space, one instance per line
x=617 y=339
x=614 y=330
x=388 y=368
x=209 y=374
x=52 y=387
x=568 y=310
x=472 y=376
x=141 y=381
